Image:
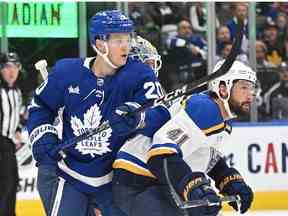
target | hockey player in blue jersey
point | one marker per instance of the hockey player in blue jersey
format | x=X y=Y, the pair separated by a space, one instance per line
x=142 y=50
x=190 y=143
x=89 y=90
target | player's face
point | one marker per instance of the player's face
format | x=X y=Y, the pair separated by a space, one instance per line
x=10 y=73
x=242 y=95
x=119 y=45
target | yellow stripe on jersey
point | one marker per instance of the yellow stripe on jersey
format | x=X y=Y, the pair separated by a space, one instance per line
x=132 y=167
x=214 y=128
x=161 y=151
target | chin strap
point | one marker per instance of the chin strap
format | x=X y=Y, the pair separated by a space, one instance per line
x=105 y=55
x=227 y=108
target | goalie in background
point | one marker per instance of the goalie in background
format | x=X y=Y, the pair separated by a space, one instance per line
x=190 y=144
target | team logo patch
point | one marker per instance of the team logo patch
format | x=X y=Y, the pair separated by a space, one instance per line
x=97 y=144
x=73 y=90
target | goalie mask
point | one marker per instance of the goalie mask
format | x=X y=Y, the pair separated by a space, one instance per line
x=144 y=51
x=238 y=71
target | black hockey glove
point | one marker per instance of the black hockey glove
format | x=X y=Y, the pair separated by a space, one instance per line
x=232 y=183
x=124 y=121
x=196 y=187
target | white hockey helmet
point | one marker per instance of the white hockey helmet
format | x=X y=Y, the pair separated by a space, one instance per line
x=143 y=50
x=238 y=71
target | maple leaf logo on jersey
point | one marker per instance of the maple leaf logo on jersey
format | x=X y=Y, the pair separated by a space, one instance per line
x=97 y=144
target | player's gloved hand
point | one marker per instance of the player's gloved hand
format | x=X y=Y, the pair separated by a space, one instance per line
x=125 y=121
x=46 y=150
x=54 y=153
x=53 y=145
x=233 y=184
x=198 y=188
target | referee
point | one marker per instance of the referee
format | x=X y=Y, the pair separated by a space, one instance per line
x=10 y=104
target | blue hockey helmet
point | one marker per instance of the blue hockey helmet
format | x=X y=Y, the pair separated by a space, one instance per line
x=106 y=22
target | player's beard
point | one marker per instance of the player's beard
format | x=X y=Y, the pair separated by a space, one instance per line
x=238 y=108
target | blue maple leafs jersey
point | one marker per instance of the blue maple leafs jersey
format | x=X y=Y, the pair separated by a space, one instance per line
x=87 y=101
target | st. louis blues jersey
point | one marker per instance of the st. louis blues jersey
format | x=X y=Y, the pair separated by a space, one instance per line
x=87 y=101
x=196 y=131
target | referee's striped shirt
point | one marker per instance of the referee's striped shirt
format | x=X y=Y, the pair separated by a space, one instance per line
x=10 y=109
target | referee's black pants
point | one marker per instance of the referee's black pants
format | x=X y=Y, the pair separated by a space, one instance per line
x=8 y=177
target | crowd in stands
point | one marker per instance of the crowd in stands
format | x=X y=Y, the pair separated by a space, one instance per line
x=180 y=33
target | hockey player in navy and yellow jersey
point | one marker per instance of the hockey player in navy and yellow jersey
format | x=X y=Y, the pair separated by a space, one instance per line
x=89 y=90
x=190 y=142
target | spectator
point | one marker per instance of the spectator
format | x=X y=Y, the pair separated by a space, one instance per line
x=188 y=52
x=166 y=15
x=281 y=23
x=283 y=7
x=276 y=98
x=198 y=18
x=11 y=101
x=261 y=51
x=240 y=12
x=227 y=47
x=144 y=24
x=223 y=36
x=276 y=52
x=223 y=11
x=266 y=74
x=271 y=12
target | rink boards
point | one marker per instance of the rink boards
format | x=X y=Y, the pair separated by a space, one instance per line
x=259 y=151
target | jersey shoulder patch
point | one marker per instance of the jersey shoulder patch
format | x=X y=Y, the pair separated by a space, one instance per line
x=206 y=114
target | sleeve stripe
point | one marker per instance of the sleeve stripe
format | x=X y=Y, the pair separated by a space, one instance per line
x=40 y=131
x=166 y=145
x=132 y=167
x=214 y=128
x=161 y=151
x=129 y=157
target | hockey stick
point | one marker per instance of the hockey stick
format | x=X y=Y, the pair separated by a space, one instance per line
x=41 y=66
x=172 y=95
x=204 y=80
x=194 y=203
x=25 y=151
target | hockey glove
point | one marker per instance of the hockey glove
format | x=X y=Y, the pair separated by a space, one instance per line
x=54 y=153
x=197 y=186
x=232 y=183
x=45 y=150
x=125 y=121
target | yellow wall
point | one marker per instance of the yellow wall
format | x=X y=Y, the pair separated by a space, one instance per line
x=29 y=208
